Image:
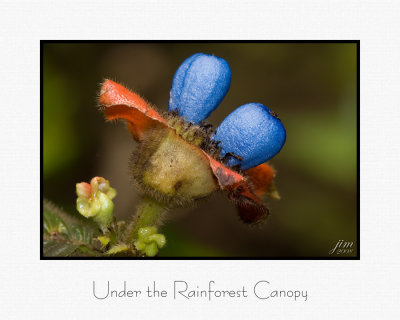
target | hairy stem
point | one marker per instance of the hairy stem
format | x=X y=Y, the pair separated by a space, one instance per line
x=149 y=213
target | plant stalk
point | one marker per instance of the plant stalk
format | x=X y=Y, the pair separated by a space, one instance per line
x=149 y=213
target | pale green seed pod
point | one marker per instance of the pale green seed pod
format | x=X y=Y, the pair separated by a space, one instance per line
x=172 y=170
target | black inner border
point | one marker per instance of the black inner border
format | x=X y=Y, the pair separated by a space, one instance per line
x=42 y=42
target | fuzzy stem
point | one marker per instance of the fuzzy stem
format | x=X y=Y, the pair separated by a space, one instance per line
x=149 y=213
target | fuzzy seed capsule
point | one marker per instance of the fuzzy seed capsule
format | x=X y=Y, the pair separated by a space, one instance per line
x=198 y=86
x=253 y=133
x=172 y=170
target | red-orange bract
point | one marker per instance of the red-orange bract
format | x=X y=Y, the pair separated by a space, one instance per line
x=245 y=189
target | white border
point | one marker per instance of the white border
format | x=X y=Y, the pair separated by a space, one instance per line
x=365 y=289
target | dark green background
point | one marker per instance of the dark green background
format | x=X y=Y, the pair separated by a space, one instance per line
x=313 y=88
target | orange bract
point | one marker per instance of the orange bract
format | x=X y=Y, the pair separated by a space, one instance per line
x=120 y=103
x=261 y=177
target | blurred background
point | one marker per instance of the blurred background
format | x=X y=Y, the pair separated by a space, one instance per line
x=312 y=87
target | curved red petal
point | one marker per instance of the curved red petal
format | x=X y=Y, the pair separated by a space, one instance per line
x=225 y=176
x=250 y=207
x=251 y=210
x=261 y=178
x=120 y=103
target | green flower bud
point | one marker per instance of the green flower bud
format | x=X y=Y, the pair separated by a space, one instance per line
x=95 y=201
x=149 y=241
x=151 y=249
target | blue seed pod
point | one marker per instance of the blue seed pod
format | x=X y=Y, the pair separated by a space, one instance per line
x=252 y=132
x=199 y=85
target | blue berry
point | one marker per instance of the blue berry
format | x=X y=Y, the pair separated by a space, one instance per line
x=252 y=132
x=199 y=85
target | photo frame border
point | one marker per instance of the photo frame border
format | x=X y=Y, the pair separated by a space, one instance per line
x=357 y=257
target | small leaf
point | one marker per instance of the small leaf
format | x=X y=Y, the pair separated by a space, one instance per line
x=119 y=248
x=53 y=224
x=52 y=248
x=84 y=251
x=67 y=219
x=80 y=234
x=65 y=235
x=117 y=230
x=104 y=240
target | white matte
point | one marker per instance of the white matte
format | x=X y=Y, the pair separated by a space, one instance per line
x=34 y=289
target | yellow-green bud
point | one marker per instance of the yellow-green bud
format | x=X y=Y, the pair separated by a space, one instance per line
x=95 y=201
x=149 y=241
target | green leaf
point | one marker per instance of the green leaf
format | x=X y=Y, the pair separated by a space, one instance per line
x=117 y=232
x=65 y=235
x=53 y=224
x=52 y=248
x=81 y=234
x=67 y=219
x=84 y=251
x=104 y=240
x=119 y=248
